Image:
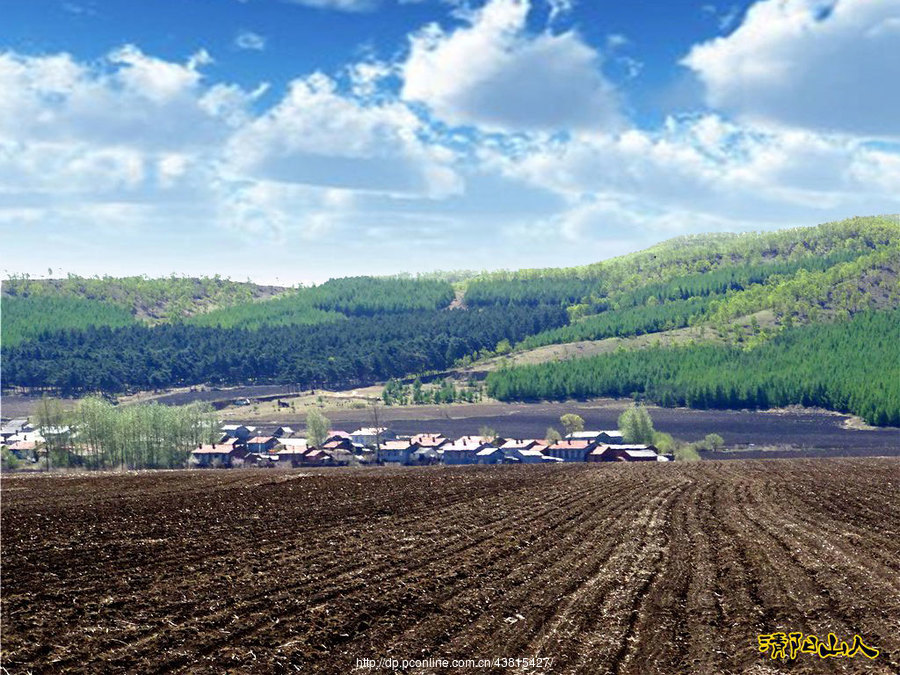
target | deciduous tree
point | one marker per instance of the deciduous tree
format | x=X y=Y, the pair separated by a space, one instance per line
x=317 y=426
x=572 y=423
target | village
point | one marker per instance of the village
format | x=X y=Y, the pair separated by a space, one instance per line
x=240 y=445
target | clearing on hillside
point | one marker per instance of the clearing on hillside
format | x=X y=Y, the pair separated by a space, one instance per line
x=601 y=569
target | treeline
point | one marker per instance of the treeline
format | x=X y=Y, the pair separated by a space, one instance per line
x=596 y=295
x=160 y=299
x=698 y=254
x=683 y=301
x=687 y=266
x=530 y=291
x=849 y=287
x=397 y=393
x=333 y=300
x=361 y=350
x=30 y=316
x=726 y=279
x=367 y=296
x=147 y=436
x=625 y=322
x=849 y=366
x=692 y=255
x=292 y=309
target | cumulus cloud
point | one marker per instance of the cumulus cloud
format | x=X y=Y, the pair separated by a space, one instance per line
x=130 y=99
x=154 y=145
x=617 y=224
x=135 y=129
x=128 y=129
x=490 y=73
x=317 y=136
x=829 y=65
x=709 y=171
x=366 y=77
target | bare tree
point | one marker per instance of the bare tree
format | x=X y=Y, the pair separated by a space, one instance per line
x=376 y=424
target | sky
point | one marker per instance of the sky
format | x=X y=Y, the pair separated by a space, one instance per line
x=291 y=141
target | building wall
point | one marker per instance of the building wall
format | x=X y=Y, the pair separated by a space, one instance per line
x=459 y=457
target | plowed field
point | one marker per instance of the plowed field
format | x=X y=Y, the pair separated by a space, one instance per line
x=603 y=569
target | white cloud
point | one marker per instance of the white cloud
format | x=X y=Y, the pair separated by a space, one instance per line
x=139 y=136
x=825 y=65
x=155 y=79
x=130 y=99
x=114 y=131
x=154 y=146
x=366 y=76
x=60 y=169
x=559 y=8
x=619 y=224
x=317 y=136
x=879 y=171
x=492 y=74
x=705 y=170
x=280 y=211
x=250 y=41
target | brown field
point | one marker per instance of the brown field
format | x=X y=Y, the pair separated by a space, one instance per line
x=604 y=569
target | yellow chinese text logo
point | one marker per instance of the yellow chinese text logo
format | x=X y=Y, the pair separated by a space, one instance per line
x=788 y=645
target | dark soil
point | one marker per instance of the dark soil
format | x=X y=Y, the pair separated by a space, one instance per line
x=626 y=568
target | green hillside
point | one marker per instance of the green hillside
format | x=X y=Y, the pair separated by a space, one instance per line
x=153 y=300
x=27 y=317
x=681 y=257
x=335 y=300
x=83 y=335
x=849 y=366
x=802 y=275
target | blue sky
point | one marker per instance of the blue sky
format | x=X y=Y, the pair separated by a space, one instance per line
x=292 y=141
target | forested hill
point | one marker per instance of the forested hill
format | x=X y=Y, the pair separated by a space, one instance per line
x=604 y=283
x=849 y=366
x=31 y=307
x=747 y=292
x=150 y=299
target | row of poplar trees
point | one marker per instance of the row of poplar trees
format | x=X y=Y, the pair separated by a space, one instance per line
x=100 y=435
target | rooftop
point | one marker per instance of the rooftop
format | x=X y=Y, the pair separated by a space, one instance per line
x=522 y=443
x=590 y=435
x=533 y=452
x=213 y=449
x=571 y=445
x=396 y=445
x=466 y=443
x=293 y=442
x=633 y=450
x=429 y=439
